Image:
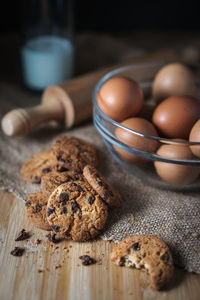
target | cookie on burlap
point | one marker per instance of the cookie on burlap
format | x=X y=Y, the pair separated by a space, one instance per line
x=75 y=211
x=101 y=185
x=38 y=165
x=74 y=153
x=51 y=181
x=35 y=209
x=146 y=252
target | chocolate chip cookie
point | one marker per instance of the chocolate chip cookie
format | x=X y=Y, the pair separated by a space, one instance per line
x=102 y=186
x=75 y=211
x=146 y=252
x=74 y=153
x=51 y=181
x=38 y=165
x=35 y=209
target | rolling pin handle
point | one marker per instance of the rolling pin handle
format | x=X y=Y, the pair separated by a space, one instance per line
x=21 y=121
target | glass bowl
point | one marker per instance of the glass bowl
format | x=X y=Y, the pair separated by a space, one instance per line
x=144 y=75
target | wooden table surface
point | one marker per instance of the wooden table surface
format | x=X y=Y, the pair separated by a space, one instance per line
x=54 y=271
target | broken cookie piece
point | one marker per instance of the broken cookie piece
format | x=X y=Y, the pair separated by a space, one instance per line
x=101 y=185
x=146 y=252
x=17 y=251
x=23 y=235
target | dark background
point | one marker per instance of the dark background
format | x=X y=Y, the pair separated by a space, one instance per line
x=117 y=16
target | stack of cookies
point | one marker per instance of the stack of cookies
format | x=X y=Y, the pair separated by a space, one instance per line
x=73 y=203
x=74 y=197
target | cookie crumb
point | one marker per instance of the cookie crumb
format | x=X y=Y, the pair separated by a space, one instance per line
x=23 y=235
x=136 y=246
x=58 y=266
x=87 y=260
x=37 y=242
x=40 y=270
x=17 y=251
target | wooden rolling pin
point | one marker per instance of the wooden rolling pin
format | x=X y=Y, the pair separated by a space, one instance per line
x=69 y=103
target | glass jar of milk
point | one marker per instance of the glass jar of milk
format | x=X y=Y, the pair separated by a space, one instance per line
x=47 y=51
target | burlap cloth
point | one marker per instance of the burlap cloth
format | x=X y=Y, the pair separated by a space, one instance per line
x=147 y=210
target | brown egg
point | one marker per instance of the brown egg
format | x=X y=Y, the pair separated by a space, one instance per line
x=120 y=98
x=136 y=141
x=175 y=116
x=195 y=137
x=173 y=80
x=175 y=173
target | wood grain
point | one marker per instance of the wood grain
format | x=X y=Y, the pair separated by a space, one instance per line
x=20 y=277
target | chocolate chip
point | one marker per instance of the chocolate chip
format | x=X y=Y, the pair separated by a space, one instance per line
x=80 y=189
x=64 y=197
x=87 y=260
x=74 y=207
x=63 y=169
x=23 y=235
x=52 y=238
x=17 y=251
x=80 y=217
x=100 y=183
x=38 y=208
x=91 y=200
x=50 y=211
x=27 y=203
x=46 y=170
x=64 y=210
x=55 y=228
x=122 y=261
x=165 y=257
x=136 y=246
